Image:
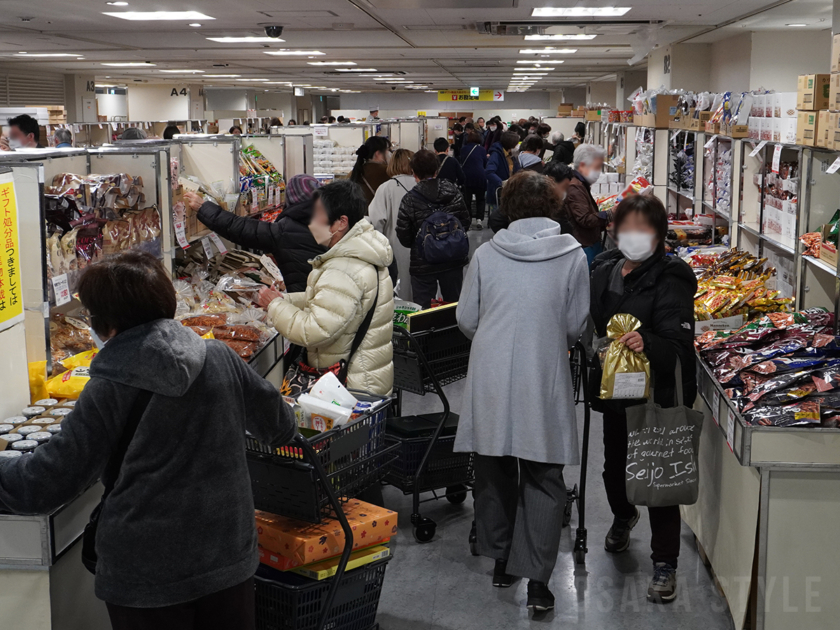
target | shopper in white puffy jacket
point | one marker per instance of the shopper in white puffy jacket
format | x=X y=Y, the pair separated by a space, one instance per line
x=340 y=290
x=385 y=207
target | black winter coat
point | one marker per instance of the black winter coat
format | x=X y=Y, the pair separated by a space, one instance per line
x=660 y=294
x=289 y=239
x=426 y=198
x=564 y=151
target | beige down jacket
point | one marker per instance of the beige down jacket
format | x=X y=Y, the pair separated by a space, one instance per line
x=339 y=292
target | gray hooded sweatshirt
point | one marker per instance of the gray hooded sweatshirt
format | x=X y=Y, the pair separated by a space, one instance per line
x=179 y=523
x=524 y=304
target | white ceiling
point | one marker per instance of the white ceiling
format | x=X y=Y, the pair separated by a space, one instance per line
x=434 y=42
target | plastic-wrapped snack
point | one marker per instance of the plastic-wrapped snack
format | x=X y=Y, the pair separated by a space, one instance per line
x=777 y=382
x=812 y=242
x=791 y=364
x=244 y=349
x=827 y=379
x=805 y=413
x=785 y=396
x=240 y=333
x=218 y=319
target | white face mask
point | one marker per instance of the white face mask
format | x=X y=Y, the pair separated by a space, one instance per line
x=321 y=233
x=492 y=128
x=14 y=143
x=636 y=246
x=592 y=177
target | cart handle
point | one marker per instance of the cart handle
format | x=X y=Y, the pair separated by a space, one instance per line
x=302 y=443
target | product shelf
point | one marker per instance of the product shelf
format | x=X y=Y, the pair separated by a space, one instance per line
x=820 y=264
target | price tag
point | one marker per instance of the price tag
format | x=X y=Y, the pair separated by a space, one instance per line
x=730 y=430
x=777 y=157
x=320 y=131
x=711 y=141
x=218 y=242
x=271 y=267
x=835 y=166
x=181 y=234
x=208 y=247
x=189 y=184
x=716 y=406
x=758 y=148
x=62 y=289
x=287 y=345
x=270 y=199
x=255 y=201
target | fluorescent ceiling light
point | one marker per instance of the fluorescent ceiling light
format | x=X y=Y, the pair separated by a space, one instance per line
x=537 y=69
x=244 y=40
x=356 y=70
x=548 y=51
x=194 y=24
x=578 y=36
x=260 y=80
x=796 y=25
x=118 y=4
x=183 y=71
x=221 y=76
x=293 y=52
x=331 y=63
x=579 y=11
x=160 y=15
x=24 y=54
x=128 y=64
x=539 y=63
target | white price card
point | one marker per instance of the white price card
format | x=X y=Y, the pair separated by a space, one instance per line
x=271 y=267
x=218 y=242
x=189 y=184
x=320 y=131
x=777 y=158
x=181 y=234
x=716 y=406
x=835 y=166
x=758 y=148
x=208 y=247
x=255 y=200
x=62 y=289
x=730 y=430
x=711 y=141
x=270 y=200
x=287 y=345
x=629 y=385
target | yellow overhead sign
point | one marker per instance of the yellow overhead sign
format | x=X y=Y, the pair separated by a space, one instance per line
x=468 y=95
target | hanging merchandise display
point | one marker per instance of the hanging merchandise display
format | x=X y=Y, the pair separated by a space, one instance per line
x=260 y=182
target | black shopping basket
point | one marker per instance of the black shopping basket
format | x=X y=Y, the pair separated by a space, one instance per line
x=425 y=362
x=354 y=456
x=346 y=601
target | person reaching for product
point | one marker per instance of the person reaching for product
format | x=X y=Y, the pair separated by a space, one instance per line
x=525 y=298
x=346 y=282
x=288 y=239
x=580 y=207
x=448 y=167
x=371 y=168
x=162 y=422
x=431 y=222
x=640 y=279
x=563 y=150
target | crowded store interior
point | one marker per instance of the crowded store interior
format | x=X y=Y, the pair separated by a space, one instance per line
x=401 y=315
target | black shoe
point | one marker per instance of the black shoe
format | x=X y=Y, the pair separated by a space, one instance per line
x=618 y=538
x=539 y=597
x=663 y=586
x=500 y=577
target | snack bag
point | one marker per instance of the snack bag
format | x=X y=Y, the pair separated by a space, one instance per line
x=626 y=373
x=37 y=380
x=71 y=383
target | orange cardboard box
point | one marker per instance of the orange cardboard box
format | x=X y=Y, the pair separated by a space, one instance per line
x=282 y=563
x=305 y=543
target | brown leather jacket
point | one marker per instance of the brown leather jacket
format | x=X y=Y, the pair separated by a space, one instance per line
x=582 y=212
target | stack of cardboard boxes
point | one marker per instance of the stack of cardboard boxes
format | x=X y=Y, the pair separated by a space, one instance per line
x=813 y=121
x=773 y=117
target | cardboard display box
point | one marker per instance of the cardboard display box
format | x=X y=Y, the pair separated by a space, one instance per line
x=834 y=93
x=664 y=110
x=593 y=115
x=712 y=127
x=824 y=129
x=813 y=93
x=736 y=131
x=807 y=128
x=828 y=252
x=784 y=104
x=835 y=54
x=698 y=120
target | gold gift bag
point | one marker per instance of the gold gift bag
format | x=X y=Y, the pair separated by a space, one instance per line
x=626 y=373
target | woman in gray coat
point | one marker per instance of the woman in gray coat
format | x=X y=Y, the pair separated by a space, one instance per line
x=524 y=304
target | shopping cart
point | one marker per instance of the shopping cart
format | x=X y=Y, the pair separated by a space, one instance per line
x=577 y=494
x=423 y=363
x=354 y=456
x=346 y=601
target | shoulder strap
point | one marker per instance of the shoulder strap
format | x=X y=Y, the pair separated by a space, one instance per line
x=365 y=325
x=400 y=184
x=469 y=154
x=370 y=188
x=115 y=463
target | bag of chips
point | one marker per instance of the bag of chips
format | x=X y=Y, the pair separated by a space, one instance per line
x=626 y=373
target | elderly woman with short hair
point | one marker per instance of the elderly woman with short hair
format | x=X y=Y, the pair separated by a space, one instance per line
x=580 y=207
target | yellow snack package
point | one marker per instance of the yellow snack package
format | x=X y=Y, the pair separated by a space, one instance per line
x=70 y=384
x=82 y=359
x=626 y=373
x=37 y=380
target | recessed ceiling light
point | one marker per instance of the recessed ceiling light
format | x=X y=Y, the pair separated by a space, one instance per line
x=128 y=64
x=23 y=54
x=117 y=4
x=160 y=15
x=796 y=25
x=183 y=71
x=245 y=40
x=536 y=69
x=356 y=70
x=221 y=76
x=537 y=63
x=578 y=36
x=548 y=51
x=579 y=11
x=254 y=80
x=331 y=63
x=293 y=52
x=194 y=25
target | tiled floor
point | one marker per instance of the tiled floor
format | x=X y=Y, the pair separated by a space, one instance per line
x=440 y=586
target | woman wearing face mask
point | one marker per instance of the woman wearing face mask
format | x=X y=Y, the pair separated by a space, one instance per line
x=495 y=128
x=580 y=207
x=638 y=278
x=371 y=168
x=346 y=282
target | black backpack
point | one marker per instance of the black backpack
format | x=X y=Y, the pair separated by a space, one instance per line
x=441 y=238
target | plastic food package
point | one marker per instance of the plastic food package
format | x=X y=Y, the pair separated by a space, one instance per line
x=37 y=381
x=69 y=384
x=626 y=373
x=322 y=416
x=402 y=309
x=329 y=389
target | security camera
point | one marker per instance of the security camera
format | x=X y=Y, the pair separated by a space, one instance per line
x=274 y=31
x=393 y=87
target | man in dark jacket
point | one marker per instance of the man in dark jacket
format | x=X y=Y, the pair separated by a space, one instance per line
x=430 y=195
x=189 y=402
x=580 y=207
x=449 y=167
x=500 y=165
x=289 y=239
x=564 y=150
x=458 y=141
